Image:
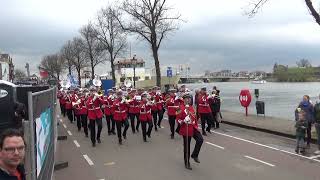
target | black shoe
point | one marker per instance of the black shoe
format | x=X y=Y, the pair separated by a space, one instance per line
x=87 y=135
x=133 y=132
x=109 y=133
x=114 y=133
x=124 y=137
x=188 y=166
x=204 y=133
x=137 y=129
x=79 y=129
x=159 y=126
x=93 y=144
x=99 y=141
x=172 y=136
x=196 y=159
x=120 y=142
x=297 y=151
x=149 y=136
x=144 y=139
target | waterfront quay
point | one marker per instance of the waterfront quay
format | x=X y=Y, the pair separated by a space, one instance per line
x=231 y=152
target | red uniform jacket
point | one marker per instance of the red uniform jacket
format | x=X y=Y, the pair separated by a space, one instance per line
x=62 y=100
x=172 y=106
x=181 y=116
x=76 y=108
x=83 y=106
x=203 y=104
x=68 y=104
x=120 y=110
x=108 y=106
x=159 y=101
x=134 y=107
x=145 y=112
x=94 y=110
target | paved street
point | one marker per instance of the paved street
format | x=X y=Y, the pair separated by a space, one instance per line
x=229 y=153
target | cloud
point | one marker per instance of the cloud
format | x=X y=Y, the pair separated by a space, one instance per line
x=216 y=36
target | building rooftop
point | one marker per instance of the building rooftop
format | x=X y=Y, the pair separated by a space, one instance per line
x=127 y=61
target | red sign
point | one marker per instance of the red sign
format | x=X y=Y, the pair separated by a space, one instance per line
x=44 y=74
x=245 y=99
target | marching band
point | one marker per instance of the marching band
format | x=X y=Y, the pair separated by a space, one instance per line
x=121 y=106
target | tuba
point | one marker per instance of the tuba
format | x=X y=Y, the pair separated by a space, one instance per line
x=65 y=84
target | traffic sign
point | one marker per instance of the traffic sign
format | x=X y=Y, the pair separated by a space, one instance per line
x=169 y=72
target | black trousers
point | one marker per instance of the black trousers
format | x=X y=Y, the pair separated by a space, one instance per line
x=70 y=115
x=119 y=128
x=134 y=116
x=160 y=116
x=144 y=129
x=186 y=146
x=110 y=123
x=206 y=118
x=92 y=125
x=63 y=110
x=309 y=133
x=215 y=122
x=84 y=122
x=78 y=118
x=172 y=122
x=155 y=118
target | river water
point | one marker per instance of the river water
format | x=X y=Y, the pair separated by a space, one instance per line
x=280 y=99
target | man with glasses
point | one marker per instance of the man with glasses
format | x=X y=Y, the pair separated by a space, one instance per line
x=12 y=151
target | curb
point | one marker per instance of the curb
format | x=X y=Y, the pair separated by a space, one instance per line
x=313 y=141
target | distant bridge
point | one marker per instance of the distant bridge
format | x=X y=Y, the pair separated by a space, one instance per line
x=206 y=79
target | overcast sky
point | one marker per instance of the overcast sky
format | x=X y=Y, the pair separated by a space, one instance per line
x=216 y=34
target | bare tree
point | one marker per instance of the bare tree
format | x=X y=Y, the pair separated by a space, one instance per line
x=53 y=64
x=110 y=34
x=304 y=63
x=151 y=20
x=79 y=61
x=19 y=74
x=67 y=55
x=257 y=5
x=92 y=47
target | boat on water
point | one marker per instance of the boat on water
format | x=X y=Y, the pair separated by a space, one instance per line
x=258 y=81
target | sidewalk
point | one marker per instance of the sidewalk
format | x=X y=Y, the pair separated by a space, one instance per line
x=272 y=125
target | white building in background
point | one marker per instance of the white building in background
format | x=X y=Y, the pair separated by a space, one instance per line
x=6 y=67
x=124 y=70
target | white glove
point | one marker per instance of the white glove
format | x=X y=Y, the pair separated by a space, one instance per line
x=103 y=106
x=187 y=120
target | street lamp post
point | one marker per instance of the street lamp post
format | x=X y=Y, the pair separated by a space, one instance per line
x=134 y=63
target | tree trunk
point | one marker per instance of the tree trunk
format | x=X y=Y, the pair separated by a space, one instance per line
x=157 y=65
x=79 y=77
x=69 y=68
x=113 y=72
x=314 y=13
x=92 y=70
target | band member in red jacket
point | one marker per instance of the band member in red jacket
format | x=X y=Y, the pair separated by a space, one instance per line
x=134 y=110
x=109 y=111
x=84 y=112
x=95 y=114
x=68 y=106
x=120 y=116
x=172 y=106
x=145 y=117
x=187 y=119
x=76 y=110
x=159 y=100
x=204 y=111
x=62 y=102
